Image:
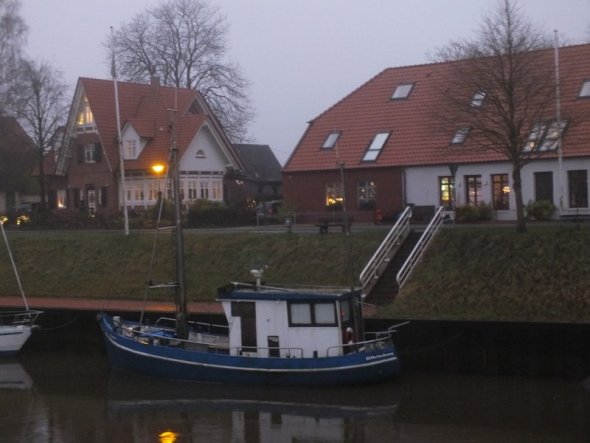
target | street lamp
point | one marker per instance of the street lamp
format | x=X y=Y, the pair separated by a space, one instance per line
x=158 y=168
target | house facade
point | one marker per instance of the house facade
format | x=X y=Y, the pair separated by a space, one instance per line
x=152 y=118
x=381 y=148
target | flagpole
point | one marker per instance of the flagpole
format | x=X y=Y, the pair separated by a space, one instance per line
x=558 y=106
x=119 y=141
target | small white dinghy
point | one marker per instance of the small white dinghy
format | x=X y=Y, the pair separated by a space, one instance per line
x=15 y=326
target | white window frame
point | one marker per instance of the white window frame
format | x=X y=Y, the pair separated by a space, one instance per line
x=478 y=98
x=90 y=153
x=460 y=136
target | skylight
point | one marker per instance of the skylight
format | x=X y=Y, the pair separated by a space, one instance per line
x=402 y=91
x=460 y=136
x=331 y=140
x=375 y=147
x=477 y=99
x=545 y=136
x=585 y=91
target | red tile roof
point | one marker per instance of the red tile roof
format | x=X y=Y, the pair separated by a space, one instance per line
x=414 y=139
x=147 y=109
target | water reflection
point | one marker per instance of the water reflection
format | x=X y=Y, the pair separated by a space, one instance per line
x=67 y=397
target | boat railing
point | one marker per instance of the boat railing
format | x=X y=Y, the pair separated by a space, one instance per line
x=19 y=317
x=254 y=351
x=380 y=342
x=198 y=326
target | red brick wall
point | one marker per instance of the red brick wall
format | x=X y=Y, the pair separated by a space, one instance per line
x=306 y=192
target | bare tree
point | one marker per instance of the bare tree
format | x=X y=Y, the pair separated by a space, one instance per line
x=13 y=33
x=41 y=109
x=184 y=43
x=509 y=80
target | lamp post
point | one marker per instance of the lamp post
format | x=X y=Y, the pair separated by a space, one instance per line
x=158 y=168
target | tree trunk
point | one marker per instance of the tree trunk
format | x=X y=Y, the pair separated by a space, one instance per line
x=517 y=187
x=42 y=186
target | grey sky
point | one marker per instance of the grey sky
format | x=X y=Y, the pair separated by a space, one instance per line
x=301 y=56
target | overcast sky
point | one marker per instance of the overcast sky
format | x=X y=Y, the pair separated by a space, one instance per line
x=301 y=56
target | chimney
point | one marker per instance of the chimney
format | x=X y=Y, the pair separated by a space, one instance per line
x=155 y=83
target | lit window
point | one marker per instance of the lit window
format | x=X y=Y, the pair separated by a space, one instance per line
x=334 y=196
x=85 y=116
x=402 y=91
x=477 y=100
x=460 y=136
x=500 y=191
x=585 y=91
x=375 y=147
x=446 y=186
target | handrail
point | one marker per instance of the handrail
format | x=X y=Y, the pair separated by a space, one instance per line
x=385 y=251
x=416 y=254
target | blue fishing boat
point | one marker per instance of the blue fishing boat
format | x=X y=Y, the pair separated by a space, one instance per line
x=272 y=334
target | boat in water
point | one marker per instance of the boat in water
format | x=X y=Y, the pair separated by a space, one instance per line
x=312 y=336
x=15 y=326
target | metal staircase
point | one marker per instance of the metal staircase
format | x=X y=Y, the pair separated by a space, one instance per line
x=397 y=256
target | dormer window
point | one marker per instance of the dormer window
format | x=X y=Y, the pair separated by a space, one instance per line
x=402 y=91
x=331 y=140
x=477 y=100
x=585 y=91
x=375 y=147
x=200 y=154
x=85 y=119
x=460 y=136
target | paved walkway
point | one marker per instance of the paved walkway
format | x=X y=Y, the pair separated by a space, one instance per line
x=85 y=304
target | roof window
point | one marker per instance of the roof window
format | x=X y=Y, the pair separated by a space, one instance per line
x=585 y=91
x=460 y=136
x=331 y=140
x=402 y=91
x=375 y=147
x=477 y=100
x=544 y=136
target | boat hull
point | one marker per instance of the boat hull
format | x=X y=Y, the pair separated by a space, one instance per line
x=132 y=356
x=12 y=338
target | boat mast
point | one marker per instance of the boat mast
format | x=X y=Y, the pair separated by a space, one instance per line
x=180 y=296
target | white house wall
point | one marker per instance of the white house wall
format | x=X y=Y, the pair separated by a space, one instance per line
x=422 y=183
x=212 y=159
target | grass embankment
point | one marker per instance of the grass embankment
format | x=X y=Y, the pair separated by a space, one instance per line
x=111 y=265
x=498 y=274
x=468 y=273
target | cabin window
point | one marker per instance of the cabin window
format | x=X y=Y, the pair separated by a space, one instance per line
x=312 y=314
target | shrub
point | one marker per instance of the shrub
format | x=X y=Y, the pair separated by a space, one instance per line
x=209 y=213
x=540 y=210
x=472 y=214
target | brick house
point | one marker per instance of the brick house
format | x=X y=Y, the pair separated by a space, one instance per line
x=150 y=116
x=382 y=140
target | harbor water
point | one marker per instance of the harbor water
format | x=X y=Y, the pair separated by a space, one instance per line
x=69 y=394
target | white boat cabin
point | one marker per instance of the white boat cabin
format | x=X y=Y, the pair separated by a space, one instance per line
x=278 y=322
